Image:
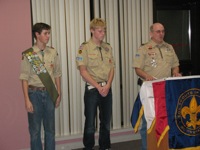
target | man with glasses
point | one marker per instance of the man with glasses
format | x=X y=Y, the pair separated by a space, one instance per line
x=155 y=60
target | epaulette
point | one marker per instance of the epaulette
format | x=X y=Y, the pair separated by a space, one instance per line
x=84 y=43
x=52 y=47
x=143 y=44
x=28 y=50
x=107 y=43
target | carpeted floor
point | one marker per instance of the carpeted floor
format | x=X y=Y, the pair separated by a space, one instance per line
x=130 y=145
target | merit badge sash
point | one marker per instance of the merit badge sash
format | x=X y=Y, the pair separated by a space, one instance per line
x=42 y=72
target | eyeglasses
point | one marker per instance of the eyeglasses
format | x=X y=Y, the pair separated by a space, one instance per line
x=159 y=31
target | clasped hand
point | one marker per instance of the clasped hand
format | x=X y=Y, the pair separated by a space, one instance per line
x=103 y=90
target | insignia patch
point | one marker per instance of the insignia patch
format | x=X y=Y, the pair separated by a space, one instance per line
x=151 y=53
x=107 y=49
x=137 y=55
x=81 y=46
x=150 y=47
x=51 y=65
x=37 y=64
x=187 y=112
x=80 y=51
x=79 y=58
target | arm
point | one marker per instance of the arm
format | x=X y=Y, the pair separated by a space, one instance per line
x=28 y=104
x=106 y=88
x=175 y=72
x=86 y=76
x=144 y=75
x=57 y=82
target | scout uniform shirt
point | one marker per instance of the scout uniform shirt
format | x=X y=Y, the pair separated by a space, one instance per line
x=156 y=60
x=98 y=60
x=51 y=63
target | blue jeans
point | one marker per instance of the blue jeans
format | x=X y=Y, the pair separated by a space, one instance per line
x=44 y=112
x=92 y=100
x=143 y=133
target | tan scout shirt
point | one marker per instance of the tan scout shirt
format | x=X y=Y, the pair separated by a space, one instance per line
x=51 y=63
x=98 y=62
x=156 y=60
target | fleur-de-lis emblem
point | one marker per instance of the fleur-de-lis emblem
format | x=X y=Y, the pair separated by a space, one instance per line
x=192 y=111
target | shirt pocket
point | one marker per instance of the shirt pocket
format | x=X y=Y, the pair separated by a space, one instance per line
x=108 y=60
x=169 y=57
x=49 y=63
x=151 y=59
x=92 y=60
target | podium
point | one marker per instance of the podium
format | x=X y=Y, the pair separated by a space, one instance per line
x=172 y=111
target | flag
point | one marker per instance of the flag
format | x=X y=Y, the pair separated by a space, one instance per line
x=144 y=104
x=161 y=123
x=183 y=112
x=147 y=100
x=173 y=106
x=137 y=113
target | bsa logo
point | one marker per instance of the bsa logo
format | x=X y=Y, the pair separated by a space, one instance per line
x=188 y=112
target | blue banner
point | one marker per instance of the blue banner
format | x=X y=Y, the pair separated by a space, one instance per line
x=183 y=111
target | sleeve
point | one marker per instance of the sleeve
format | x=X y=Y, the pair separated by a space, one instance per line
x=138 y=60
x=57 y=72
x=25 y=69
x=175 y=58
x=112 y=58
x=81 y=57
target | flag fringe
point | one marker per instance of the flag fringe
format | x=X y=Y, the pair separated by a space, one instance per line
x=139 y=119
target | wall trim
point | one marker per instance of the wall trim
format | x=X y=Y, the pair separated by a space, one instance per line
x=75 y=142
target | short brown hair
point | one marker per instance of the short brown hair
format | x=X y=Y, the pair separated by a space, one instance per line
x=38 y=27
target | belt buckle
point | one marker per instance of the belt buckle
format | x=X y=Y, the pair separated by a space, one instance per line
x=103 y=83
x=90 y=87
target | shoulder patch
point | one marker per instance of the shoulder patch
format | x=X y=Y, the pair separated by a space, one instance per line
x=80 y=51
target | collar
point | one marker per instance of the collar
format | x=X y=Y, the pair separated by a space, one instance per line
x=154 y=44
x=94 y=46
x=36 y=48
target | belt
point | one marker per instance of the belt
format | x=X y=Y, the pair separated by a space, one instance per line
x=100 y=83
x=139 y=82
x=37 y=88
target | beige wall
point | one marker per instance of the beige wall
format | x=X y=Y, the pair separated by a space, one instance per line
x=15 y=36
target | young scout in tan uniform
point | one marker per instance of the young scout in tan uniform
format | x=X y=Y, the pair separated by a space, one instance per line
x=96 y=65
x=155 y=60
x=40 y=76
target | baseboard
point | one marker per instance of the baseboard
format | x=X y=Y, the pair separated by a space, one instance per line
x=75 y=142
